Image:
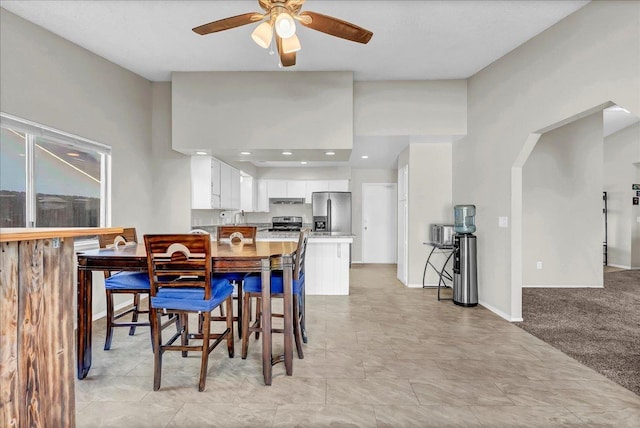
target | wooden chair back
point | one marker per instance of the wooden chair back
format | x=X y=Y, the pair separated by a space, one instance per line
x=298 y=268
x=179 y=261
x=248 y=233
x=201 y=231
x=110 y=240
x=128 y=235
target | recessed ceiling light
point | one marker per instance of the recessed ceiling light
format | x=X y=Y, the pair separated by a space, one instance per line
x=303 y=162
x=364 y=157
x=245 y=153
x=287 y=153
x=73 y=154
x=201 y=153
x=329 y=153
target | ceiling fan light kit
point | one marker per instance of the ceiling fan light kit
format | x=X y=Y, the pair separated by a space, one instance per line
x=291 y=44
x=280 y=16
x=285 y=26
x=263 y=34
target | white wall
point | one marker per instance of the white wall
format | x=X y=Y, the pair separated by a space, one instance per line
x=562 y=205
x=425 y=107
x=50 y=81
x=635 y=228
x=171 y=170
x=621 y=149
x=585 y=60
x=430 y=193
x=227 y=112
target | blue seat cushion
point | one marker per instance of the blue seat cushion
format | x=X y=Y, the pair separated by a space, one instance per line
x=127 y=281
x=192 y=299
x=253 y=284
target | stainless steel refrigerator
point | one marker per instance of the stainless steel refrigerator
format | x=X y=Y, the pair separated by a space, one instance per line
x=331 y=212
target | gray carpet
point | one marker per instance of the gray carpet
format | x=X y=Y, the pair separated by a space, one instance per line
x=600 y=327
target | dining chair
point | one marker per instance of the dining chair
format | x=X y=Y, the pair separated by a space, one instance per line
x=181 y=283
x=253 y=289
x=133 y=283
x=233 y=234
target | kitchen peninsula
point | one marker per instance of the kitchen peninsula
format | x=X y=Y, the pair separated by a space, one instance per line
x=36 y=325
x=327 y=262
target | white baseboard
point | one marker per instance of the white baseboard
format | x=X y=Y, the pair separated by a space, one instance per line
x=620 y=266
x=561 y=286
x=500 y=313
x=413 y=285
x=116 y=308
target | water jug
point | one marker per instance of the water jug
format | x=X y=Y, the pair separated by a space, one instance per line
x=464 y=218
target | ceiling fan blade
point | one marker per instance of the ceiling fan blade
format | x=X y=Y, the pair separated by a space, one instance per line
x=336 y=27
x=287 y=59
x=228 y=23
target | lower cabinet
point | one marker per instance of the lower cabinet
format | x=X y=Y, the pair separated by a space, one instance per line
x=326 y=263
x=327 y=266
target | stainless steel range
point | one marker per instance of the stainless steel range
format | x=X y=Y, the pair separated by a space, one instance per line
x=286 y=224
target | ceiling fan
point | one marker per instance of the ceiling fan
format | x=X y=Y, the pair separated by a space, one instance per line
x=279 y=17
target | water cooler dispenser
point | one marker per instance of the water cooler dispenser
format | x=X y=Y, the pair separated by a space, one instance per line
x=465 y=271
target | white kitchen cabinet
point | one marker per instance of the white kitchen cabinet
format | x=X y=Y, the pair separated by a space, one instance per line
x=327 y=263
x=229 y=187
x=327 y=266
x=296 y=188
x=203 y=189
x=277 y=188
x=338 y=185
x=235 y=189
x=225 y=187
x=314 y=186
x=248 y=193
x=263 y=196
x=286 y=188
x=214 y=184
x=325 y=186
x=215 y=177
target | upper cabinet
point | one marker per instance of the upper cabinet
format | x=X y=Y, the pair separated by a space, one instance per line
x=286 y=188
x=248 y=193
x=325 y=186
x=253 y=195
x=214 y=184
x=204 y=195
x=302 y=188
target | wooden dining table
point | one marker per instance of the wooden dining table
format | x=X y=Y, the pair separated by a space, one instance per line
x=259 y=257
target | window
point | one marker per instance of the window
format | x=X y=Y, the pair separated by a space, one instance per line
x=50 y=178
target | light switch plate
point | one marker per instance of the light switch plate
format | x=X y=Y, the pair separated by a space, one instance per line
x=503 y=221
x=638 y=219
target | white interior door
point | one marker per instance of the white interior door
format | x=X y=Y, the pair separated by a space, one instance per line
x=379 y=222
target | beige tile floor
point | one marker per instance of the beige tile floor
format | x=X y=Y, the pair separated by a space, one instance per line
x=385 y=356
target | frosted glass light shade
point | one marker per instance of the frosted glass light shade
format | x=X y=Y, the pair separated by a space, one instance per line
x=262 y=35
x=285 y=26
x=292 y=44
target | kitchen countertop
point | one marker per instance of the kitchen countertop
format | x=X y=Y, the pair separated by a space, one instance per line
x=264 y=234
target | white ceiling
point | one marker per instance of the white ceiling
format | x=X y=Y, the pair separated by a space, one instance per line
x=413 y=40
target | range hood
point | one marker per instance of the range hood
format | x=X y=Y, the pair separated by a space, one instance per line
x=286 y=201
